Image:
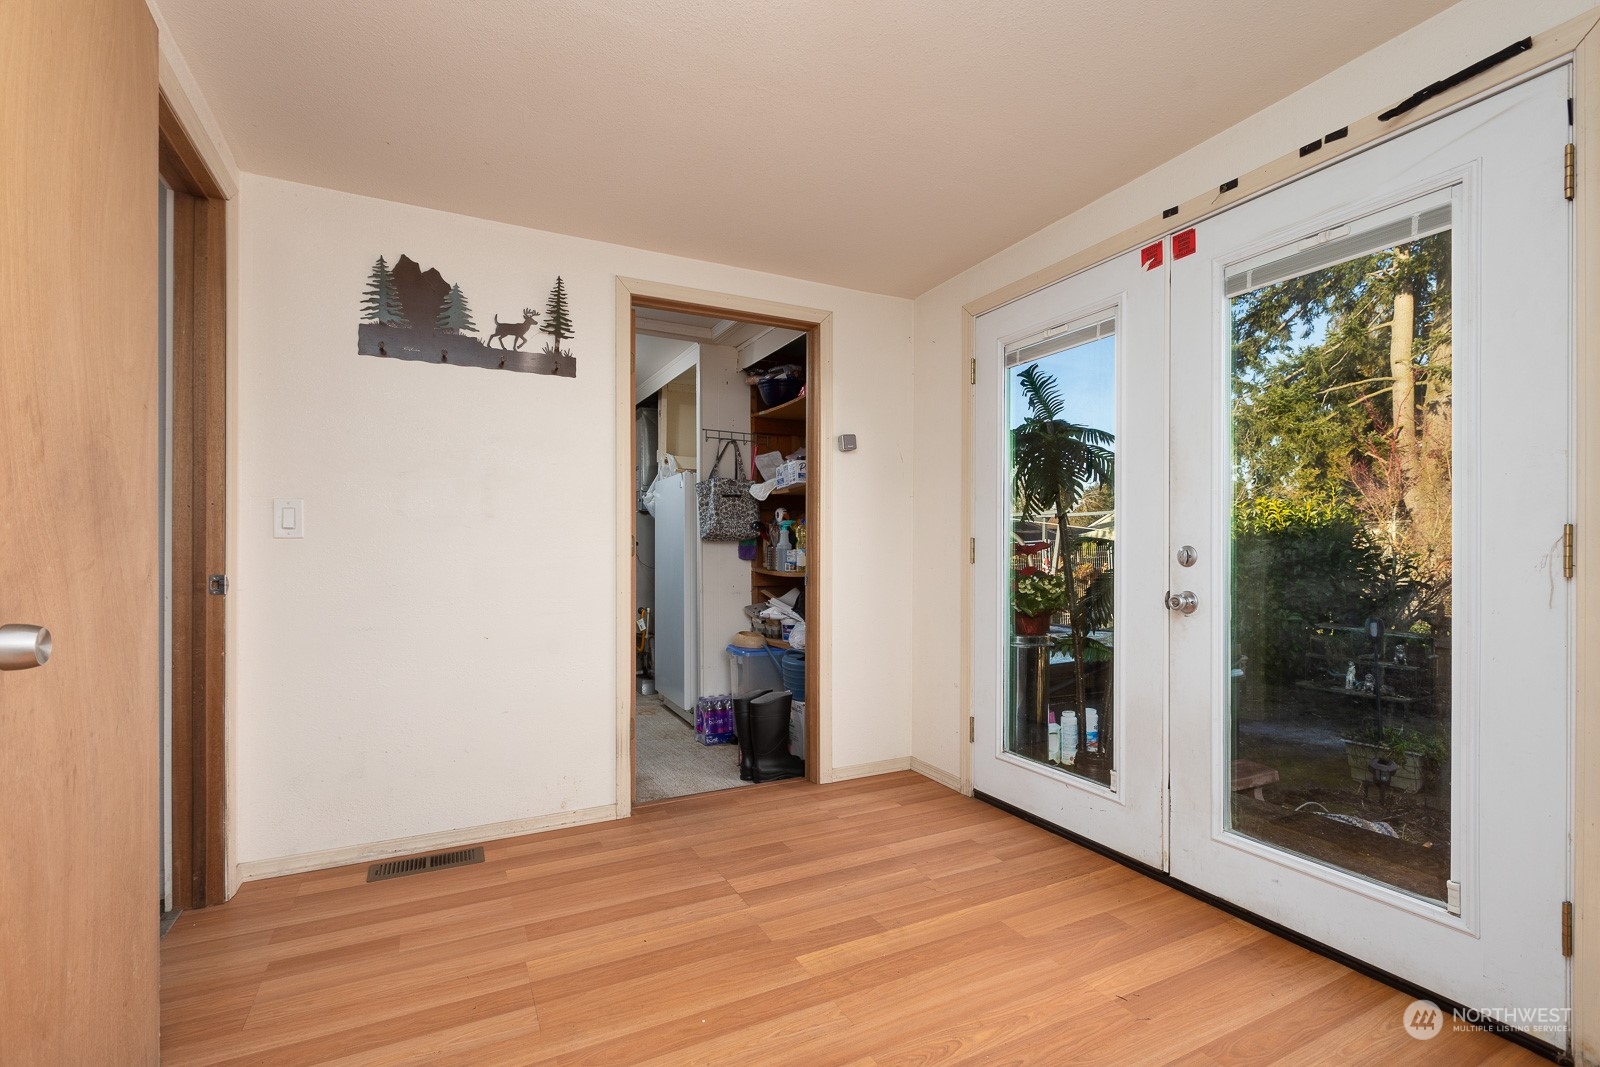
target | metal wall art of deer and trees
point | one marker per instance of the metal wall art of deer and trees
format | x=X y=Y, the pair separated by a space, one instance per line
x=411 y=313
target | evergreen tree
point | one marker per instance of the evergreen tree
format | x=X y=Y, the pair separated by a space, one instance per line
x=557 y=319
x=382 y=302
x=454 y=314
x=1343 y=399
x=1339 y=371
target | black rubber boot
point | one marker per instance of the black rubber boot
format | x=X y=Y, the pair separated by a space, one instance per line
x=741 y=726
x=769 y=738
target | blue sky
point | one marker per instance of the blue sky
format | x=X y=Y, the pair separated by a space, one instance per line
x=1086 y=376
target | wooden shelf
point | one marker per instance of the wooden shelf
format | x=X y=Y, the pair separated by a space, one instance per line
x=1367 y=661
x=789 y=411
x=782 y=428
x=1365 y=696
x=779 y=574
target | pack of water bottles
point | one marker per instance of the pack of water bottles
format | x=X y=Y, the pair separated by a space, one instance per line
x=713 y=720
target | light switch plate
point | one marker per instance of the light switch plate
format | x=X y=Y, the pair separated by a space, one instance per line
x=288 y=518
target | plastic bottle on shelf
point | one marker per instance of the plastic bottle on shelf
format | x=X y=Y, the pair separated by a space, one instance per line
x=785 y=546
x=776 y=555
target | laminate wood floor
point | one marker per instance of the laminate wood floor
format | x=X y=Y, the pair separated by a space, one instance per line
x=868 y=923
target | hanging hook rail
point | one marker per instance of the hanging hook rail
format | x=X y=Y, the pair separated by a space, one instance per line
x=729 y=435
x=759 y=442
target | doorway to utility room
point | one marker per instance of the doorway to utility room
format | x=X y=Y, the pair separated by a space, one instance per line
x=720 y=435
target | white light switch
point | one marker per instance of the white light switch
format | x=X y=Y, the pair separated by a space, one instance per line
x=288 y=518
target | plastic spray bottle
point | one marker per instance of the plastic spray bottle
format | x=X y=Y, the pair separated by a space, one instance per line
x=785 y=546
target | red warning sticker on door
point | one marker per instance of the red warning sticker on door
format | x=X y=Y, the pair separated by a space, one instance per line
x=1183 y=244
x=1150 y=256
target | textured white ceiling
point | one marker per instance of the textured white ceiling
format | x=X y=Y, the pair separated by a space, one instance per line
x=878 y=144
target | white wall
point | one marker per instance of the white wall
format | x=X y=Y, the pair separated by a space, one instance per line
x=437 y=653
x=657 y=360
x=1439 y=47
x=680 y=416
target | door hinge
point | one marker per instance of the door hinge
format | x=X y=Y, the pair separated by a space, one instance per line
x=1571 y=170
x=1567 y=551
x=1566 y=928
x=972 y=729
x=217 y=585
x=972 y=550
x=974 y=375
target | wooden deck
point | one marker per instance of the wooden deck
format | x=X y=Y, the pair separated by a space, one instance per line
x=876 y=922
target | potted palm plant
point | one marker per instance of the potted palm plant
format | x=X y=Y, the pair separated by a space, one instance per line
x=1054 y=463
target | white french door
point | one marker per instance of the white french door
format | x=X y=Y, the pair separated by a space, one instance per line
x=1452 y=877
x=1093 y=351
x=1335 y=672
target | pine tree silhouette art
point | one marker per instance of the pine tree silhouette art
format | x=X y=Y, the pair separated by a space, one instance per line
x=382 y=299
x=454 y=314
x=557 y=319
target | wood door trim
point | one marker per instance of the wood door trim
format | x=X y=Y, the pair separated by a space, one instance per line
x=754 y=317
x=182 y=166
x=199 y=461
x=817 y=323
x=1586 y=577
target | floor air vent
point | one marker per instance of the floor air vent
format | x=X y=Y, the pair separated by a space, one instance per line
x=417 y=864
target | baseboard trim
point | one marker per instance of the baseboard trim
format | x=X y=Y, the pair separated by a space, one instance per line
x=943 y=777
x=867 y=770
x=252 y=870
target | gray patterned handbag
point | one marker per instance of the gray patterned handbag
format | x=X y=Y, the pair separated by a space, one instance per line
x=727 y=510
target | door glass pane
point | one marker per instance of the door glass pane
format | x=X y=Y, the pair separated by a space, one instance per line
x=1340 y=620
x=1060 y=629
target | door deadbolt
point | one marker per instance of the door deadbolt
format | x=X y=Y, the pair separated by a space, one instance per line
x=1186 y=556
x=1183 y=603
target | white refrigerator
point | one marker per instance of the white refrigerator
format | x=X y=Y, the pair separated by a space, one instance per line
x=678 y=592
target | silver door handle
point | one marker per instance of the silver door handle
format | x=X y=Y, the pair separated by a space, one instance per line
x=1184 y=603
x=23 y=646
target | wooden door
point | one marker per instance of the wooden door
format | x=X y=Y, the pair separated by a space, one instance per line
x=78 y=548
